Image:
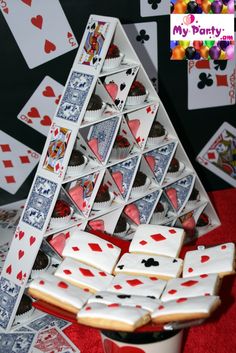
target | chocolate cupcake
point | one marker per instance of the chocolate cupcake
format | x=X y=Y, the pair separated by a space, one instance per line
x=103 y=198
x=141 y=183
x=95 y=108
x=175 y=168
x=137 y=94
x=158 y=214
x=121 y=228
x=121 y=148
x=113 y=58
x=156 y=134
x=61 y=214
x=41 y=263
x=25 y=308
x=203 y=220
x=76 y=163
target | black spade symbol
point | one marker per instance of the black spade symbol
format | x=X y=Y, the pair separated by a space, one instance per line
x=93 y=26
x=121 y=267
x=151 y=296
x=150 y=262
x=123 y=296
x=122 y=86
x=98 y=297
x=129 y=72
x=174 y=261
x=94 y=60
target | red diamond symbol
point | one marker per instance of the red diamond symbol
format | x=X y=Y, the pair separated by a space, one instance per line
x=24 y=159
x=158 y=237
x=211 y=155
x=153 y=278
x=10 y=179
x=172 y=231
x=56 y=132
x=103 y=274
x=189 y=283
x=143 y=242
x=134 y=282
x=5 y=148
x=109 y=245
x=148 y=109
x=117 y=286
x=85 y=272
x=8 y=164
x=95 y=247
x=75 y=248
x=67 y=272
x=57 y=167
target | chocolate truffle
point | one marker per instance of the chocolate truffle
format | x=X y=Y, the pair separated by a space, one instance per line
x=41 y=261
x=121 y=225
x=159 y=208
x=157 y=130
x=203 y=220
x=76 y=158
x=113 y=52
x=102 y=194
x=25 y=305
x=61 y=209
x=140 y=179
x=95 y=102
x=121 y=142
x=194 y=195
x=137 y=89
x=174 y=166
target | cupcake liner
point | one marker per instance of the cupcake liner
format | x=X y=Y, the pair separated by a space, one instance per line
x=77 y=169
x=141 y=189
x=113 y=63
x=121 y=152
x=123 y=234
x=136 y=100
x=36 y=273
x=178 y=173
x=192 y=203
x=154 y=141
x=25 y=316
x=97 y=206
x=57 y=222
x=158 y=217
x=93 y=115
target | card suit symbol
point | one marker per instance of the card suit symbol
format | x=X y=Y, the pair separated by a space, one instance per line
x=41 y=282
x=20 y=254
x=220 y=64
x=112 y=89
x=221 y=80
x=172 y=195
x=129 y=72
x=86 y=272
x=93 y=26
x=67 y=272
x=223 y=247
x=32 y=240
x=132 y=212
x=154 y=3
x=49 y=47
x=172 y=291
x=48 y=92
x=118 y=177
x=33 y=113
x=111 y=347
x=46 y=121
x=134 y=282
x=134 y=126
x=19 y=275
x=158 y=237
x=189 y=283
x=204 y=258
x=181 y=300
x=21 y=234
x=205 y=80
x=190 y=269
x=204 y=275
x=27 y=2
x=123 y=296
x=118 y=101
x=62 y=285
x=95 y=247
x=120 y=267
x=122 y=86
x=69 y=35
x=37 y=21
x=151 y=296
x=6 y=10
x=151 y=162
x=9 y=269
x=94 y=59
x=103 y=274
x=142 y=36
x=58 y=99
x=203 y=64
x=75 y=248
x=150 y=262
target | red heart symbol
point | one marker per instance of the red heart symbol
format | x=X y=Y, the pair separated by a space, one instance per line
x=37 y=21
x=20 y=254
x=33 y=113
x=27 y=2
x=6 y=10
x=69 y=35
x=21 y=234
x=49 y=46
x=204 y=258
x=19 y=276
x=58 y=99
x=9 y=269
x=32 y=240
x=111 y=347
x=48 y=92
x=46 y=121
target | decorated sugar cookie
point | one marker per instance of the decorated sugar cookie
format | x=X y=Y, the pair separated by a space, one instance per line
x=159 y=240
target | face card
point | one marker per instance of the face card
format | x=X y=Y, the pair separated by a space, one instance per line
x=9 y=215
x=14 y=342
x=9 y=292
x=143 y=37
x=40 y=108
x=211 y=83
x=154 y=8
x=31 y=25
x=17 y=162
x=219 y=154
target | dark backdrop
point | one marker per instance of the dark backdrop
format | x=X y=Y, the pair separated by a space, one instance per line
x=18 y=82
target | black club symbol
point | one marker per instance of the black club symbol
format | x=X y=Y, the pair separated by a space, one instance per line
x=154 y=3
x=205 y=80
x=142 y=37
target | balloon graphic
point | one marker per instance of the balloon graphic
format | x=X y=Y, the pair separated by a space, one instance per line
x=192 y=7
x=178 y=53
x=190 y=52
x=230 y=6
x=209 y=43
x=204 y=51
x=206 y=6
x=180 y=7
x=217 y=6
x=214 y=52
x=197 y=44
x=230 y=52
x=222 y=44
x=184 y=43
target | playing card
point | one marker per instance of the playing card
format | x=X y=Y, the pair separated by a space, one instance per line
x=10 y=214
x=154 y=8
x=40 y=29
x=40 y=108
x=145 y=206
x=3 y=254
x=53 y=340
x=211 y=83
x=9 y=292
x=17 y=162
x=143 y=37
x=219 y=154
x=14 y=342
x=47 y=321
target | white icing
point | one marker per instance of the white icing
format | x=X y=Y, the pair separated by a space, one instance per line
x=193 y=305
x=127 y=314
x=167 y=267
x=83 y=275
x=217 y=259
x=104 y=255
x=158 y=240
x=48 y=285
x=106 y=297
x=144 y=286
x=190 y=287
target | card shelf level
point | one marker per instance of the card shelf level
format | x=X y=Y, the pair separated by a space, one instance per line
x=71 y=131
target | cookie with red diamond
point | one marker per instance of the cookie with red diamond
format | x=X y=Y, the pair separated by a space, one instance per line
x=91 y=250
x=157 y=240
x=206 y=284
x=113 y=58
x=83 y=276
x=61 y=293
x=183 y=309
x=137 y=94
x=61 y=214
x=217 y=259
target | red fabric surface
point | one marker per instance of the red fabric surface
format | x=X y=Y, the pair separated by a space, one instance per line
x=217 y=335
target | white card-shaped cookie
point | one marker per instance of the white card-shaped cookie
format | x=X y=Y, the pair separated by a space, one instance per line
x=149 y=265
x=119 y=317
x=159 y=240
x=217 y=259
x=138 y=301
x=151 y=287
x=186 y=309
x=83 y=276
x=191 y=287
x=92 y=250
x=55 y=291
